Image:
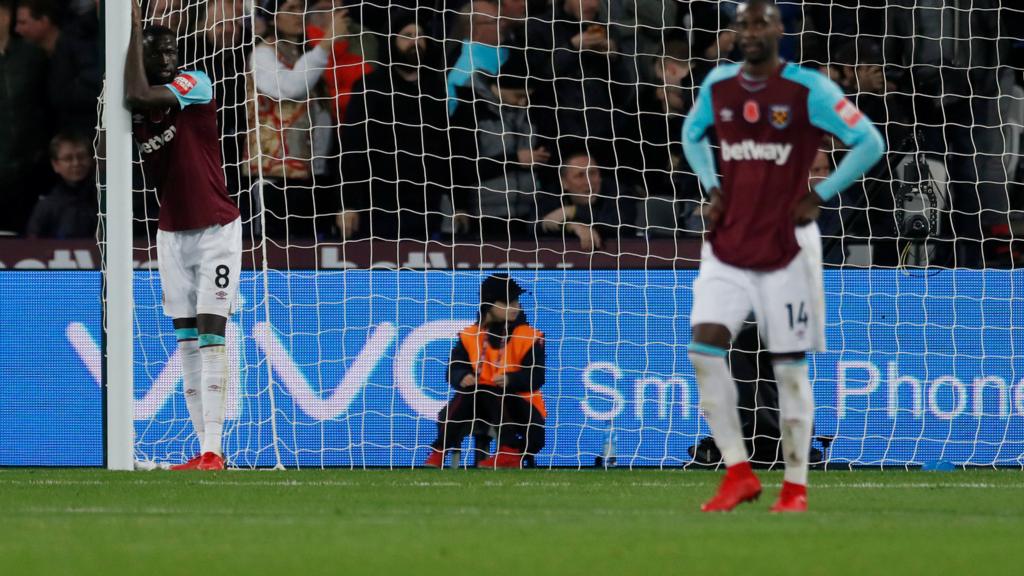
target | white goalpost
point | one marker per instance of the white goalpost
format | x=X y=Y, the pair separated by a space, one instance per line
x=118 y=246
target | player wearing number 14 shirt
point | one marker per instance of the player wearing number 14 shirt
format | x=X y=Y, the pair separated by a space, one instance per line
x=199 y=241
x=763 y=249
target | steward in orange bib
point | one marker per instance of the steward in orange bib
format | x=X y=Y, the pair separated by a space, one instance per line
x=497 y=370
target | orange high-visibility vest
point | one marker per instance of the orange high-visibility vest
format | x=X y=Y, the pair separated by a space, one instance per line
x=494 y=362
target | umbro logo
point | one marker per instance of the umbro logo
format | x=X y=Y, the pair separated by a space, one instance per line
x=726 y=114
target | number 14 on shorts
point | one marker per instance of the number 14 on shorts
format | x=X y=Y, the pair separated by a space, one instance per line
x=797 y=314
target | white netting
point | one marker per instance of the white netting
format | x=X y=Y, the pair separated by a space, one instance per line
x=445 y=140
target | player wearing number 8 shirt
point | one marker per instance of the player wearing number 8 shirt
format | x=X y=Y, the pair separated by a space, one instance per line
x=199 y=241
x=763 y=250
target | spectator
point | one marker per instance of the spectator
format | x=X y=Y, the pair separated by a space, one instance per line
x=293 y=126
x=593 y=79
x=590 y=209
x=225 y=60
x=394 y=161
x=224 y=41
x=23 y=124
x=497 y=371
x=70 y=209
x=868 y=210
x=861 y=73
x=959 y=62
x=76 y=70
x=654 y=152
x=500 y=192
x=39 y=23
x=345 y=67
x=712 y=38
x=482 y=52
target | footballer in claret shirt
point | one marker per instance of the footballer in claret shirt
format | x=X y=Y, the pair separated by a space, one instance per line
x=199 y=241
x=762 y=253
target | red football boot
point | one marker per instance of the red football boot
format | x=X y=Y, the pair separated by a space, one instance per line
x=435 y=460
x=211 y=461
x=739 y=485
x=793 y=498
x=507 y=458
x=190 y=465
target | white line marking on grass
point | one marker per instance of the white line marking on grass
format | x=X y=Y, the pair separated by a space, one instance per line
x=918 y=485
x=102 y=510
x=294 y=483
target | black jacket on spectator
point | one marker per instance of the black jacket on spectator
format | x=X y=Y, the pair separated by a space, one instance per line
x=66 y=212
x=76 y=75
x=487 y=134
x=24 y=130
x=589 y=88
x=611 y=213
x=652 y=154
x=395 y=152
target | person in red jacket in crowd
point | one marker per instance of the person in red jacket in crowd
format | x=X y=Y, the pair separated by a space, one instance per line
x=344 y=67
x=497 y=371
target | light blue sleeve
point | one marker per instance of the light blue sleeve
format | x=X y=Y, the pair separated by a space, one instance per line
x=458 y=76
x=474 y=56
x=696 y=146
x=829 y=110
x=191 y=87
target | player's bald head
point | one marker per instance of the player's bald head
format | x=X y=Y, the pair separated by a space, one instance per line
x=764 y=8
x=159 y=54
x=760 y=29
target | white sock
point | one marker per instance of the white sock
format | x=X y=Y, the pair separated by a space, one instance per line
x=215 y=372
x=192 y=383
x=796 y=402
x=719 y=398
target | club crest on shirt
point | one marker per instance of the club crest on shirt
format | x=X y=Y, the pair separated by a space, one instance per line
x=725 y=114
x=751 y=111
x=779 y=116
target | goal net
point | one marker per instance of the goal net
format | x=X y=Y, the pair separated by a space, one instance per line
x=387 y=161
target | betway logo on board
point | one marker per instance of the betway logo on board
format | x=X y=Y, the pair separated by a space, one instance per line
x=750 y=150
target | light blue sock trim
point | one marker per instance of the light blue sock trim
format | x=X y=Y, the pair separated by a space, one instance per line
x=210 y=340
x=186 y=333
x=707 y=349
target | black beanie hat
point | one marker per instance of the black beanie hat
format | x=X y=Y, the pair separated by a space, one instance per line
x=499 y=288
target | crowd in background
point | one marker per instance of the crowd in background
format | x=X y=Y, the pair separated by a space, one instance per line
x=498 y=120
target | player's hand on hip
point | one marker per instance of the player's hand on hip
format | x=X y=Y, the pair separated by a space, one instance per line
x=468 y=381
x=500 y=381
x=713 y=210
x=807 y=209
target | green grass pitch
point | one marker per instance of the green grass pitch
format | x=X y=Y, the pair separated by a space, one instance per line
x=525 y=523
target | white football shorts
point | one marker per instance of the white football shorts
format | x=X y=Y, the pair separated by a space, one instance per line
x=199 y=269
x=789 y=303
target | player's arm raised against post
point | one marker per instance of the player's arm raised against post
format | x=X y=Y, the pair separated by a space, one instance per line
x=829 y=110
x=138 y=93
x=697 y=147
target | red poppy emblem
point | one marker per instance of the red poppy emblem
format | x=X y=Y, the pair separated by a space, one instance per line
x=751 y=111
